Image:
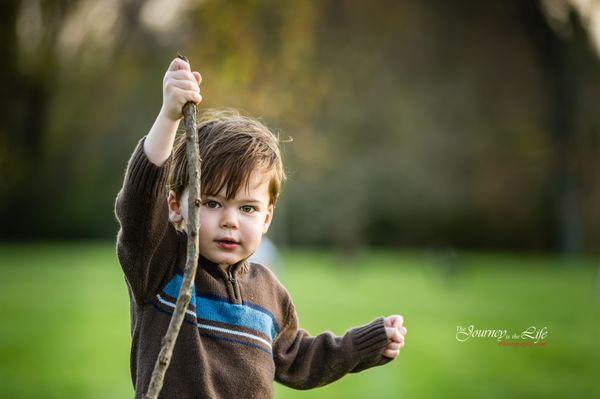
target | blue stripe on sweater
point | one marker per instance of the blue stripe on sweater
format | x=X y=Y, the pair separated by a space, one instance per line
x=172 y=288
x=215 y=336
x=245 y=303
x=179 y=275
x=210 y=308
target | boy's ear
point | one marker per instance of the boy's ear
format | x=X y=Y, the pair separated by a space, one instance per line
x=175 y=215
x=268 y=218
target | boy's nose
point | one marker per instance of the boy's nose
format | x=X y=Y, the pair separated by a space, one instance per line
x=229 y=219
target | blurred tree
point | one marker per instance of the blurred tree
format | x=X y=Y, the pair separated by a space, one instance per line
x=413 y=123
x=40 y=47
x=556 y=57
x=27 y=89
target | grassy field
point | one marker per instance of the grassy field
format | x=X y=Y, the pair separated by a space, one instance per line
x=64 y=322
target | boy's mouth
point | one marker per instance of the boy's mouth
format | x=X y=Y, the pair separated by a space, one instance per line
x=228 y=240
x=227 y=243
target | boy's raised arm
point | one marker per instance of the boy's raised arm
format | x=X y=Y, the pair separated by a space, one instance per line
x=141 y=205
x=303 y=361
x=180 y=85
x=159 y=141
x=142 y=211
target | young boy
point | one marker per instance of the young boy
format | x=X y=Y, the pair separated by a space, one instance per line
x=240 y=330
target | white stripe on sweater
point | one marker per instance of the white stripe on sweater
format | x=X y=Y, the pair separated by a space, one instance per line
x=215 y=328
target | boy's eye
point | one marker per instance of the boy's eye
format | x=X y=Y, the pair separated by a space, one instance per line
x=247 y=208
x=211 y=204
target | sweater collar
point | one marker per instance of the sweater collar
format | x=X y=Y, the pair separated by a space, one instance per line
x=235 y=269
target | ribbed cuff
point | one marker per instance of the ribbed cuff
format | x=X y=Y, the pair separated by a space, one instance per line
x=144 y=175
x=370 y=340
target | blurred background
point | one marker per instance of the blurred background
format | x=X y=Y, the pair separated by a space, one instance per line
x=443 y=164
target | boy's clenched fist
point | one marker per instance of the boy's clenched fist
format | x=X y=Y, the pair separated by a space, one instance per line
x=395 y=332
x=180 y=85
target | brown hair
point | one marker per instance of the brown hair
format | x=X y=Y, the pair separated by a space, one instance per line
x=232 y=146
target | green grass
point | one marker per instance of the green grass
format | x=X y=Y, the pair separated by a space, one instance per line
x=64 y=322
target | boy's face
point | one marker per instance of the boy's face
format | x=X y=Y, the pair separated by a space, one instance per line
x=243 y=219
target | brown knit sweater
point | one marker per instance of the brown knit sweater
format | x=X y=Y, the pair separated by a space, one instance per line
x=240 y=332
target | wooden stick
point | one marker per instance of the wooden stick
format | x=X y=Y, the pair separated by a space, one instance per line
x=183 y=300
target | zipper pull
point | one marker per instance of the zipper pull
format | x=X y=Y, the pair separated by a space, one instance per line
x=231 y=278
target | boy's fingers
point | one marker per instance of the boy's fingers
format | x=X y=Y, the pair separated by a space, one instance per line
x=397 y=320
x=398 y=338
x=178 y=64
x=394 y=345
x=390 y=331
x=393 y=334
x=186 y=85
x=391 y=353
x=183 y=75
x=197 y=76
x=188 y=95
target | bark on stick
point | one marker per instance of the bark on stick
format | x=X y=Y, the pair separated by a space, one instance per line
x=183 y=300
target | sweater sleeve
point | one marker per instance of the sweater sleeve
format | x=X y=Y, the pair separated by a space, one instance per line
x=303 y=361
x=146 y=242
